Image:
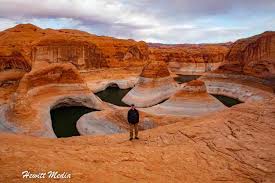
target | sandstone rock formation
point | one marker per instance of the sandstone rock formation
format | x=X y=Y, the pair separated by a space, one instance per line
x=82 y=54
x=114 y=120
x=242 y=87
x=154 y=85
x=189 y=59
x=230 y=145
x=111 y=122
x=235 y=145
x=45 y=87
x=10 y=59
x=82 y=49
x=191 y=100
x=13 y=65
x=252 y=56
x=51 y=74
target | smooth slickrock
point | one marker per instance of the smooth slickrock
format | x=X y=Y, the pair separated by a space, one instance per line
x=252 y=56
x=190 y=59
x=100 y=79
x=29 y=110
x=102 y=84
x=235 y=145
x=242 y=87
x=111 y=121
x=114 y=120
x=154 y=85
x=191 y=100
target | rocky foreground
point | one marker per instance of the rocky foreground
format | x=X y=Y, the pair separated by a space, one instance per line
x=236 y=145
x=41 y=69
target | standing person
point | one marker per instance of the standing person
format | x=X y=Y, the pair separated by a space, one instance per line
x=133 y=119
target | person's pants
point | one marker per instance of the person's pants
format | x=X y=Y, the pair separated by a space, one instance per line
x=132 y=128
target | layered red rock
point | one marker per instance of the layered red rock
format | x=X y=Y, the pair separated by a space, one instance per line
x=43 y=88
x=51 y=74
x=82 y=54
x=154 y=85
x=191 y=100
x=155 y=69
x=10 y=59
x=190 y=57
x=235 y=145
x=252 y=56
x=13 y=66
x=82 y=49
x=195 y=86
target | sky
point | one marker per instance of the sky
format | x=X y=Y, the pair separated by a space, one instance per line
x=162 y=21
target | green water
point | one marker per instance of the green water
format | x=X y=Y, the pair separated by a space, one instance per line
x=227 y=101
x=113 y=95
x=185 y=78
x=64 y=120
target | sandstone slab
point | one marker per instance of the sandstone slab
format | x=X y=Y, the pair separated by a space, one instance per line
x=191 y=100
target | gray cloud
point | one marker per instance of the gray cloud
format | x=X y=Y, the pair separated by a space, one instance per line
x=151 y=20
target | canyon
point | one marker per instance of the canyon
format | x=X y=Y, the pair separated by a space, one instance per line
x=191 y=58
x=186 y=134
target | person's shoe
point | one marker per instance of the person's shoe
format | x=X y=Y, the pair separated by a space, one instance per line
x=136 y=138
x=131 y=138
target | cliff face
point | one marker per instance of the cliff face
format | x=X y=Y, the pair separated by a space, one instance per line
x=253 y=56
x=12 y=60
x=189 y=58
x=80 y=53
x=82 y=49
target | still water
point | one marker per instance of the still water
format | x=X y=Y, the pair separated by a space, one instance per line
x=185 y=78
x=227 y=101
x=113 y=95
x=64 y=120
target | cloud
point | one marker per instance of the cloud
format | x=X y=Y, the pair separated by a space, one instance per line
x=165 y=21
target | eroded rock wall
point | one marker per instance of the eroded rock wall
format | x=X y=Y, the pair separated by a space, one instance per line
x=252 y=56
x=84 y=50
x=13 y=60
x=51 y=74
x=190 y=58
x=82 y=54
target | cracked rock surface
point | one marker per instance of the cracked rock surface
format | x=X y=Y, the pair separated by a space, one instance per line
x=236 y=145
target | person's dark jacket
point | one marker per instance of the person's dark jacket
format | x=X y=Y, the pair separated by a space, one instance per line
x=133 y=116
